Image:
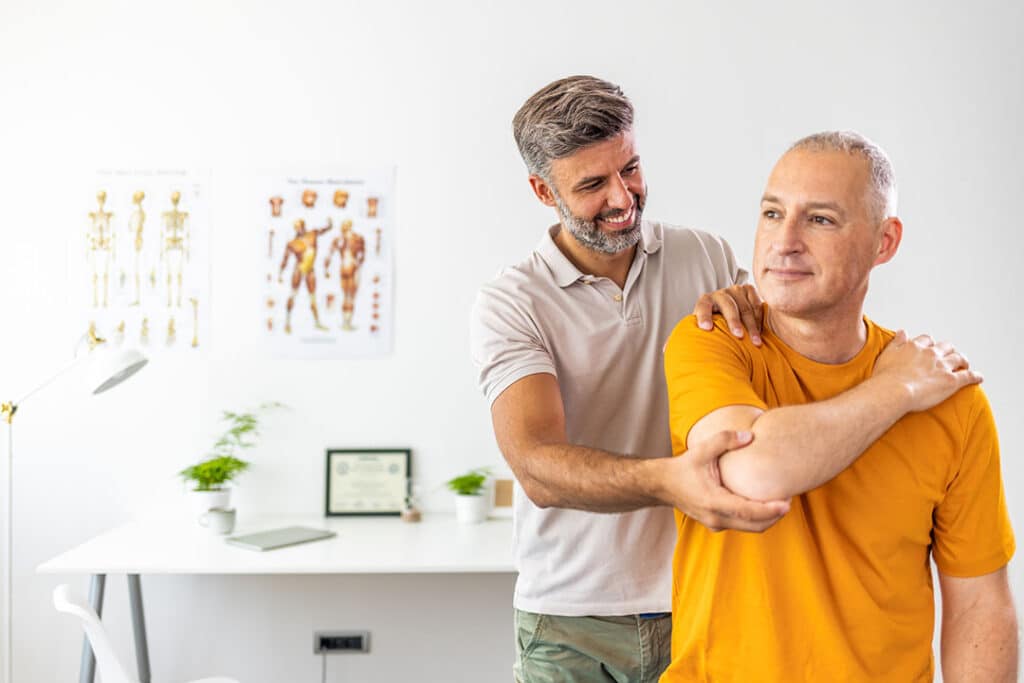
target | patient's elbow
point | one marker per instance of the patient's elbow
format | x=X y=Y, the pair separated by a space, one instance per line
x=752 y=476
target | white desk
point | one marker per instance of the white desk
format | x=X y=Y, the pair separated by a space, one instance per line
x=364 y=545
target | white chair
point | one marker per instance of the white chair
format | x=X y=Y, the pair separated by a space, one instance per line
x=106 y=661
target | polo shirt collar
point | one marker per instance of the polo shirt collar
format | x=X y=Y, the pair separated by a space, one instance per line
x=563 y=269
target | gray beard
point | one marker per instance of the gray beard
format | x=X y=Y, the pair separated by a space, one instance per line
x=592 y=237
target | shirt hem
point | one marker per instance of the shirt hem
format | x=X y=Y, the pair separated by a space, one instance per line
x=589 y=609
x=966 y=571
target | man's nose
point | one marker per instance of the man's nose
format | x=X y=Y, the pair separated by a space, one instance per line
x=619 y=196
x=788 y=238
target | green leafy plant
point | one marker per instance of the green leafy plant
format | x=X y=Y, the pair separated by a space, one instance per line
x=469 y=484
x=222 y=464
x=212 y=474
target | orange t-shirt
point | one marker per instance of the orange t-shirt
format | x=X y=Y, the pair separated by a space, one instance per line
x=840 y=589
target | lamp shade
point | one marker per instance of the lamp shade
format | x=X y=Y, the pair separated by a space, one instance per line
x=111 y=367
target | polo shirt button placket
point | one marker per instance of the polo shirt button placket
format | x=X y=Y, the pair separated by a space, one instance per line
x=618 y=298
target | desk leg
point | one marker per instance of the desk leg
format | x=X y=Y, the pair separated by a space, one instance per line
x=139 y=626
x=87 y=670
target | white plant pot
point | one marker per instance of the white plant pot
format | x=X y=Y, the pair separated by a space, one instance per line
x=472 y=509
x=204 y=501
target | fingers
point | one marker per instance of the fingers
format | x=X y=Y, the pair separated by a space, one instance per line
x=741 y=307
x=967 y=377
x=718 y=444
x=947 y=353
x=900 y=339
x=704 y=309
x=730 y=511
x=757 y=306
x=750 y=314
x=730 y=310
x=954 y=361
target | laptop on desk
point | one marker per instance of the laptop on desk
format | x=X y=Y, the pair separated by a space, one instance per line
x=279 y=538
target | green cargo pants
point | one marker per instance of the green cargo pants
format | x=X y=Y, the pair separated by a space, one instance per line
x=626 y=649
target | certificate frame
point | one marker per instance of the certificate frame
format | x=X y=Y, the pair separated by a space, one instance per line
x=367 y=482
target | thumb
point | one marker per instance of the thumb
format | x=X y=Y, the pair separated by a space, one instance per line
x=720 y=443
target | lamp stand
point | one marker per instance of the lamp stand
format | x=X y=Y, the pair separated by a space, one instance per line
x=122 y=367
x=8 y=410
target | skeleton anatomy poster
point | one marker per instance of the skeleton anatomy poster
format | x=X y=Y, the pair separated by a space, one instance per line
x=327 y=241
x=139 y=260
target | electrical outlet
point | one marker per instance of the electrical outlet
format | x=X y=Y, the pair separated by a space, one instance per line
x=341 y=642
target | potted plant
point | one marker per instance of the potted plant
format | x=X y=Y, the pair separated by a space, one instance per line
x=472 y=505
x=208 y=479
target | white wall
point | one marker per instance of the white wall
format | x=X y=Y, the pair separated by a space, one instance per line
x=239 y=88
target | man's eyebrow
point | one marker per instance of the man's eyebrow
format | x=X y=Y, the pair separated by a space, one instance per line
x=594 y=178
x=587 y=181
x=831 y=206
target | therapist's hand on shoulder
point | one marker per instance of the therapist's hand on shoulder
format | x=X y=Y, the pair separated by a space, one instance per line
x=741 y=307
x=694 y=485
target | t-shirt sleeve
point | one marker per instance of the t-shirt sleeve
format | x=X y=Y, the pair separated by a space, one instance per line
x=504 y=343
x=704 y=371
x=972 y=532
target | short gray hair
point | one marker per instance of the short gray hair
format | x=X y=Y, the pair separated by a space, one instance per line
x=883 y=178
x=565 y=116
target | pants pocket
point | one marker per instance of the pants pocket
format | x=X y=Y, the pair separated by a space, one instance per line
x=529 y=627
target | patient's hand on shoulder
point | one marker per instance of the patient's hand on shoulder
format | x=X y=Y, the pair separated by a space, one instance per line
x=927 y=371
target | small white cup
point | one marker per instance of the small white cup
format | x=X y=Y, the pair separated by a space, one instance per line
x=218 y=520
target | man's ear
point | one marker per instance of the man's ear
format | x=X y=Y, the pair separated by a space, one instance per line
x=891 y=235
x=545 y=193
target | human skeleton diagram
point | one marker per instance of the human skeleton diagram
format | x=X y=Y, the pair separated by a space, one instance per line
x=174 y=245
x=303 y=248
x=351 y=247
x=135 y=224
x=101 y=249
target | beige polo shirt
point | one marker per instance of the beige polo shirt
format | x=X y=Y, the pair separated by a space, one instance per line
x=604 y=346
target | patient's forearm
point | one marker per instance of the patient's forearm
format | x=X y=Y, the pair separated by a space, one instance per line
x=798 y=448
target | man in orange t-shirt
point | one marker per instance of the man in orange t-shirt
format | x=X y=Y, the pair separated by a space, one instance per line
x=887 y=446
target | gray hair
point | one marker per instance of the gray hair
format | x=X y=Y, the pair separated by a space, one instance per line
x=565 y=116
x=883 y=178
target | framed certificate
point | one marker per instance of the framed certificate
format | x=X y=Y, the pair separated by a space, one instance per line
x=367 y=481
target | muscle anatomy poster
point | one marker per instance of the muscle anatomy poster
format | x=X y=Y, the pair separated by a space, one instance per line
x=327 y=244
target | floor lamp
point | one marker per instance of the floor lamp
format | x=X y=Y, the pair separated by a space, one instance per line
x=109 y=368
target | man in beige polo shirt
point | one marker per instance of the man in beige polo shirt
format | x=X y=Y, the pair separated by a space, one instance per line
x=568 y=344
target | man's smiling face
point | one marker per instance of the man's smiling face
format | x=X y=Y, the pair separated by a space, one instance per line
x=600 y=193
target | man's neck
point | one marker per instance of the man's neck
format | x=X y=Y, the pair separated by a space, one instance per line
x=615 y=266
x=833 y=338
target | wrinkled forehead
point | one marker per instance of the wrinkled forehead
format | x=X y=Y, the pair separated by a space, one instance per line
x=820 y=177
